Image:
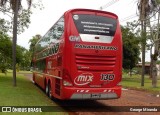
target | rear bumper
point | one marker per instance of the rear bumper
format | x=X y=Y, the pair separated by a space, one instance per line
x=91 y=93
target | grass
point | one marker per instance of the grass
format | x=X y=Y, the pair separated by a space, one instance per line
x=134 y=82
x=24 y=94
x=10 y=71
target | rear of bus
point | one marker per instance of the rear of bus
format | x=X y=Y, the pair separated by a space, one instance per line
x=92 y=58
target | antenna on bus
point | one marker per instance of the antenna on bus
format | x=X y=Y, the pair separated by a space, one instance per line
x=108 y=4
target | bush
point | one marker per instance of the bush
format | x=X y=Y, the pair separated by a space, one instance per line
x=3 y=68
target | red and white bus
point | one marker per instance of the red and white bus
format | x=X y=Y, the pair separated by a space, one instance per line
x=80 y=57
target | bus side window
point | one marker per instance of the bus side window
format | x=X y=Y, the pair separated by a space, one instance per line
x=40 y=65
x=57 y=30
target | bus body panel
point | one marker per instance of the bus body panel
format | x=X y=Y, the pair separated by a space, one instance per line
x=91 y=93
x=92 y=54
x=82 y=68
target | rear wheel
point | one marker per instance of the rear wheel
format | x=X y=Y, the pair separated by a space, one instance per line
x=33 y=79
x=48 y=90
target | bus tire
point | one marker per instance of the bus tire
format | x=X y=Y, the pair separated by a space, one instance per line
x=49 y=91
x=33 y=80
x=46 y=90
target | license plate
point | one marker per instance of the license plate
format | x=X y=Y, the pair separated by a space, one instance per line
x=95 y=95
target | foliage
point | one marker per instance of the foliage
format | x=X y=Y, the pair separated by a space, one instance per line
x=33 y=42
x=23 y=19
x=23 y=22
x=130 y=48
x=147 y=9
x=22 y=58
x=24 y=14
x=14 y=7
x=4 y=25
x=25 y=60
x=3 y=68
x=5 y=52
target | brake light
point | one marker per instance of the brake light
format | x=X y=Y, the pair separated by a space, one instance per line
x=67 y=83
x=66 y=78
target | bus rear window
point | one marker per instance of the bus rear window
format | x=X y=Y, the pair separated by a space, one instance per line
x=95 y=25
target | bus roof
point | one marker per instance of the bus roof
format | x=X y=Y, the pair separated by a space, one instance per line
x=92 y=10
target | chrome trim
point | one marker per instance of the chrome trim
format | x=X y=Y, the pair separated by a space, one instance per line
x=88 y=96
x=48 y=75
x=92 y=38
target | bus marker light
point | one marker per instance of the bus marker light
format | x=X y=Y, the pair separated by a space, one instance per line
x=66 y=83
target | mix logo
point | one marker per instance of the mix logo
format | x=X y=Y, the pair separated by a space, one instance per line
x=83 y=79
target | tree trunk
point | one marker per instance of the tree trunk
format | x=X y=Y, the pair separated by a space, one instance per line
x=151 y=55
x=154 y=74
x=143 y=35
x=143 y=51
x=14 y=41
x=155 y=56
x=151 y=67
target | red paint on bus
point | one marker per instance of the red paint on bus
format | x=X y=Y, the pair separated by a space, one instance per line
x=80 y=57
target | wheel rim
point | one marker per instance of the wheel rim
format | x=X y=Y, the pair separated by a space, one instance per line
x=47 y=89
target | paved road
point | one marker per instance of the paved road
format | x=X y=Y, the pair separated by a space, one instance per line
x=131 y=100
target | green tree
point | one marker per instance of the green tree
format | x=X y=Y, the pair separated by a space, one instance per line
x=5 y=52
x=33 y=42
x=143 y=8
x=16 y=7
x=26 y=62
x=146 y=9
x=23 y=58
x=22 y=55
x=156 y=41
x=130 y=48
x=4 y=26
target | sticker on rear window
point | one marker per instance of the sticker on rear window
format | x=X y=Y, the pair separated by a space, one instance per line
x=95 y=25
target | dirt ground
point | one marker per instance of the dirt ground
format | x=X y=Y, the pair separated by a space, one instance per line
x=131 y=102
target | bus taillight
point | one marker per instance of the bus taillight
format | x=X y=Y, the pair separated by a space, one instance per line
x=67 y=83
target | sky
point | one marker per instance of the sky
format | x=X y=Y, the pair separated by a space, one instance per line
x=42 y=20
